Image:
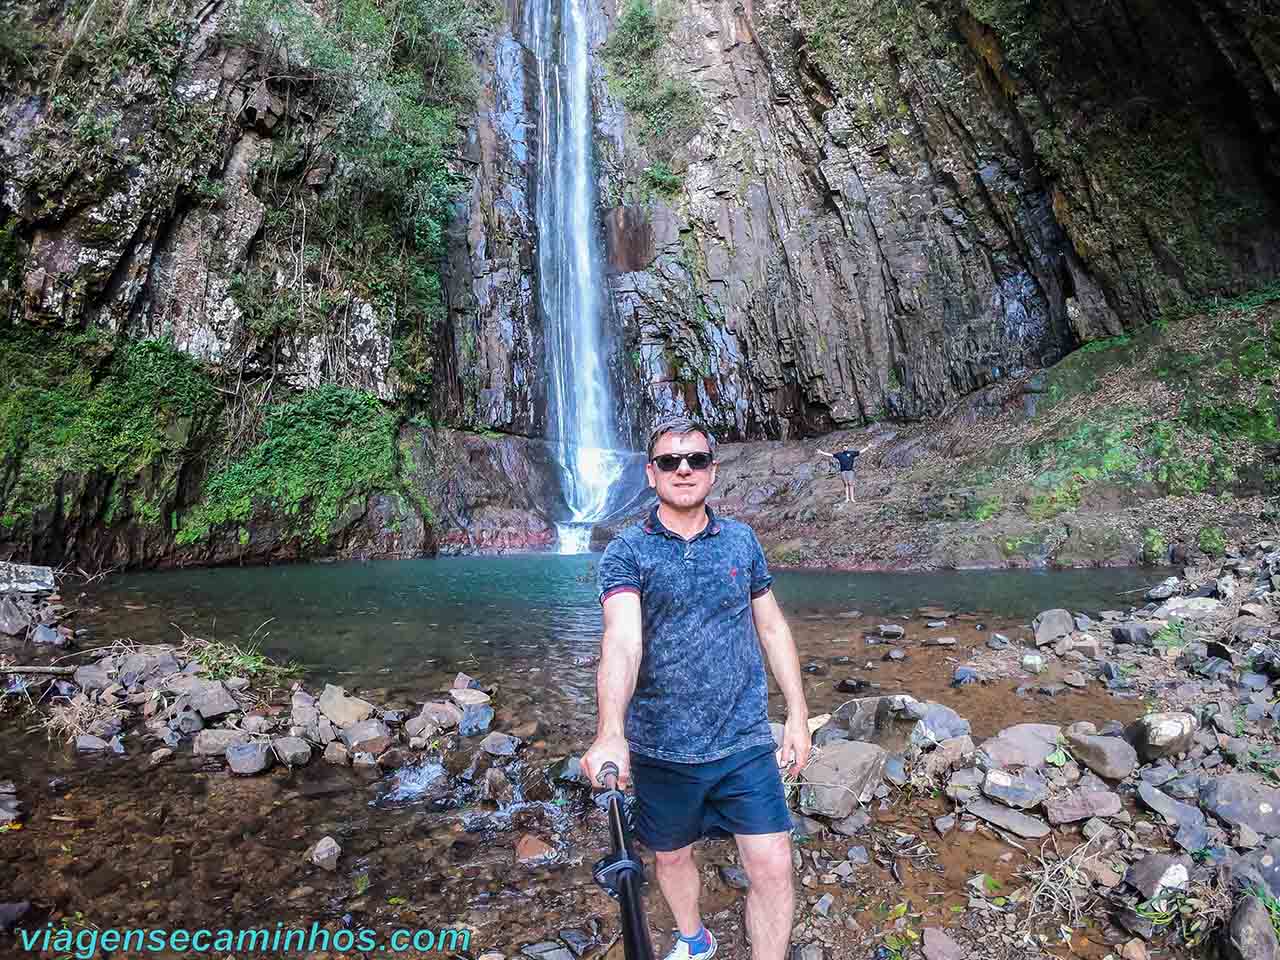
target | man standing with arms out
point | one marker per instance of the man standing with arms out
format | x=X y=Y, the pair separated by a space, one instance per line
x=844 y=459
x=683 y=697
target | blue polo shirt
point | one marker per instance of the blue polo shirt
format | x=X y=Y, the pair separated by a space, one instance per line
x=701 y=693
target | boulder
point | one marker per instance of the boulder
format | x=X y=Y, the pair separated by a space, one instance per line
x=939 y=723
x=342 y=710
x=1159 y=735
x=1082 y=805
x=367 y=736
x=1109 y=757
x=292 y=751
x=1052 y=624
x=25 y=578
x=1251 y=935
x=250 y=758
x=1240 y=799
x=1157 y=875
x=1022 y=745
x=844 y=775
x=212 y=743
x=325 y=853
x=1019 y=824
x=212 y=700
x=465 y=697
x=1023 y=791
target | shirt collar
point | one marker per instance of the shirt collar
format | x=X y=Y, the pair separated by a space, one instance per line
x=653 y=525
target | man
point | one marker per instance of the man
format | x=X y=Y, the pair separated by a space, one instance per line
x=844 y=460
x=683 y=697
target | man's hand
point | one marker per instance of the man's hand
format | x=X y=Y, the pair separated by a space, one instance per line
x=605 y=749
x=796 y=744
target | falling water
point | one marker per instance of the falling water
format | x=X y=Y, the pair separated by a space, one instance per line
x=581 y=418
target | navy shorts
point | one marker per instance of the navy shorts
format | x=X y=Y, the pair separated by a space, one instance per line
x=678 y=803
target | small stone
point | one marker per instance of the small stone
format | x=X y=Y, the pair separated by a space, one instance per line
x=940 y=641
x=1019 y=824
x=892 y=631
x=734 y=877
x=1082 y=805
x=500 y=745
x=336 y=752
x=530 y=848
x=476 y=718
x=1023 y=791
x=1109 y=757
x=367 y=736
x=823 y=906
x=1159 y=874
x=464 y=682
x=1159 y=735
x=964 y=676
x=853 y=824
x=325 y=853
x=1032 y=662
x=939 y=946
x=160 y=755
x=212 y=743
x=1075 y=679
x=342 y=710
x=86 y=743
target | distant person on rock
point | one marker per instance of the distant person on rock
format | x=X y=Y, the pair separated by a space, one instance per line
x=844 y=460
x=683 y=696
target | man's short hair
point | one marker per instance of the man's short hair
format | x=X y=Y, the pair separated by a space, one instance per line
x=681 y=426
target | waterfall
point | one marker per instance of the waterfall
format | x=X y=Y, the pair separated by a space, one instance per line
x=580 y=408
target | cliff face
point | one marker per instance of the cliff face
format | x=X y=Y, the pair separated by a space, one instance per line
x=881 y=207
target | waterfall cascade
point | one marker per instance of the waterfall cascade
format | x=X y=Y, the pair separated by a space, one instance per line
x=581 y=412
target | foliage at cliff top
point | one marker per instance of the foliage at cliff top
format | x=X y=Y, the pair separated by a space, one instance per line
x=391 y=77
x=669 y=109
x=326 y=449
x=80 y=404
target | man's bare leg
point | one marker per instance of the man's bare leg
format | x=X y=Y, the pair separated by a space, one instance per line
x=680 y=884
x=766 y=858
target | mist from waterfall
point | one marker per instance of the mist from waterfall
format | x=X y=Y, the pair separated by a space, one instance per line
x=580 y=409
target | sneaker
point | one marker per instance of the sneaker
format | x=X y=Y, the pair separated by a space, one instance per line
x=681 y=950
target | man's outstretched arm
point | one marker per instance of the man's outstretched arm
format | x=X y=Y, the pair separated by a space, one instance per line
x=620 y=654
x=775 y=637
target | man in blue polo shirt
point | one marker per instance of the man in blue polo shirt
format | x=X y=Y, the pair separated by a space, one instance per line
x=683 y=697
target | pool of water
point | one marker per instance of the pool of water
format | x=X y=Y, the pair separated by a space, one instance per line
x=376 y=617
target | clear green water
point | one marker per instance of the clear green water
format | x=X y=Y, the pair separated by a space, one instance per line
x=401 y=616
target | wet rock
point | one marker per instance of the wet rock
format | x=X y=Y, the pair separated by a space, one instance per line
x=476 y=719
x=325 y=853
x=1023 y=791
x=1082 y=805
x=1159 y=735
x=1251 y=935
x=1022 y=745
x=211 y=743
x=342 y=710
x=1052 y=624
x=464 y=682
x=734 y=877
x=368 y=736
x=292 y=751
x=1157 y=875
x=212 y=700
x=250 y=758
x=843 y=775
x=1109 y=757
x=569 y=770
x=336 y=752
x=1019 y=824
x=500 y=745
x=939 y=946
x=1239 y=799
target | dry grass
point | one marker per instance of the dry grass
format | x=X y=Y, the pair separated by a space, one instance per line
x=83 y=717
x=1061 y=887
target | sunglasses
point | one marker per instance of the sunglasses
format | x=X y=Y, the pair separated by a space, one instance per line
x=670 y=462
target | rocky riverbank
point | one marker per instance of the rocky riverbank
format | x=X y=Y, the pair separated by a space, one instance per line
x=1128 y=809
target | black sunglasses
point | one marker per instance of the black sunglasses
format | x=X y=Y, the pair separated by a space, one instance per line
x=670 y=462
